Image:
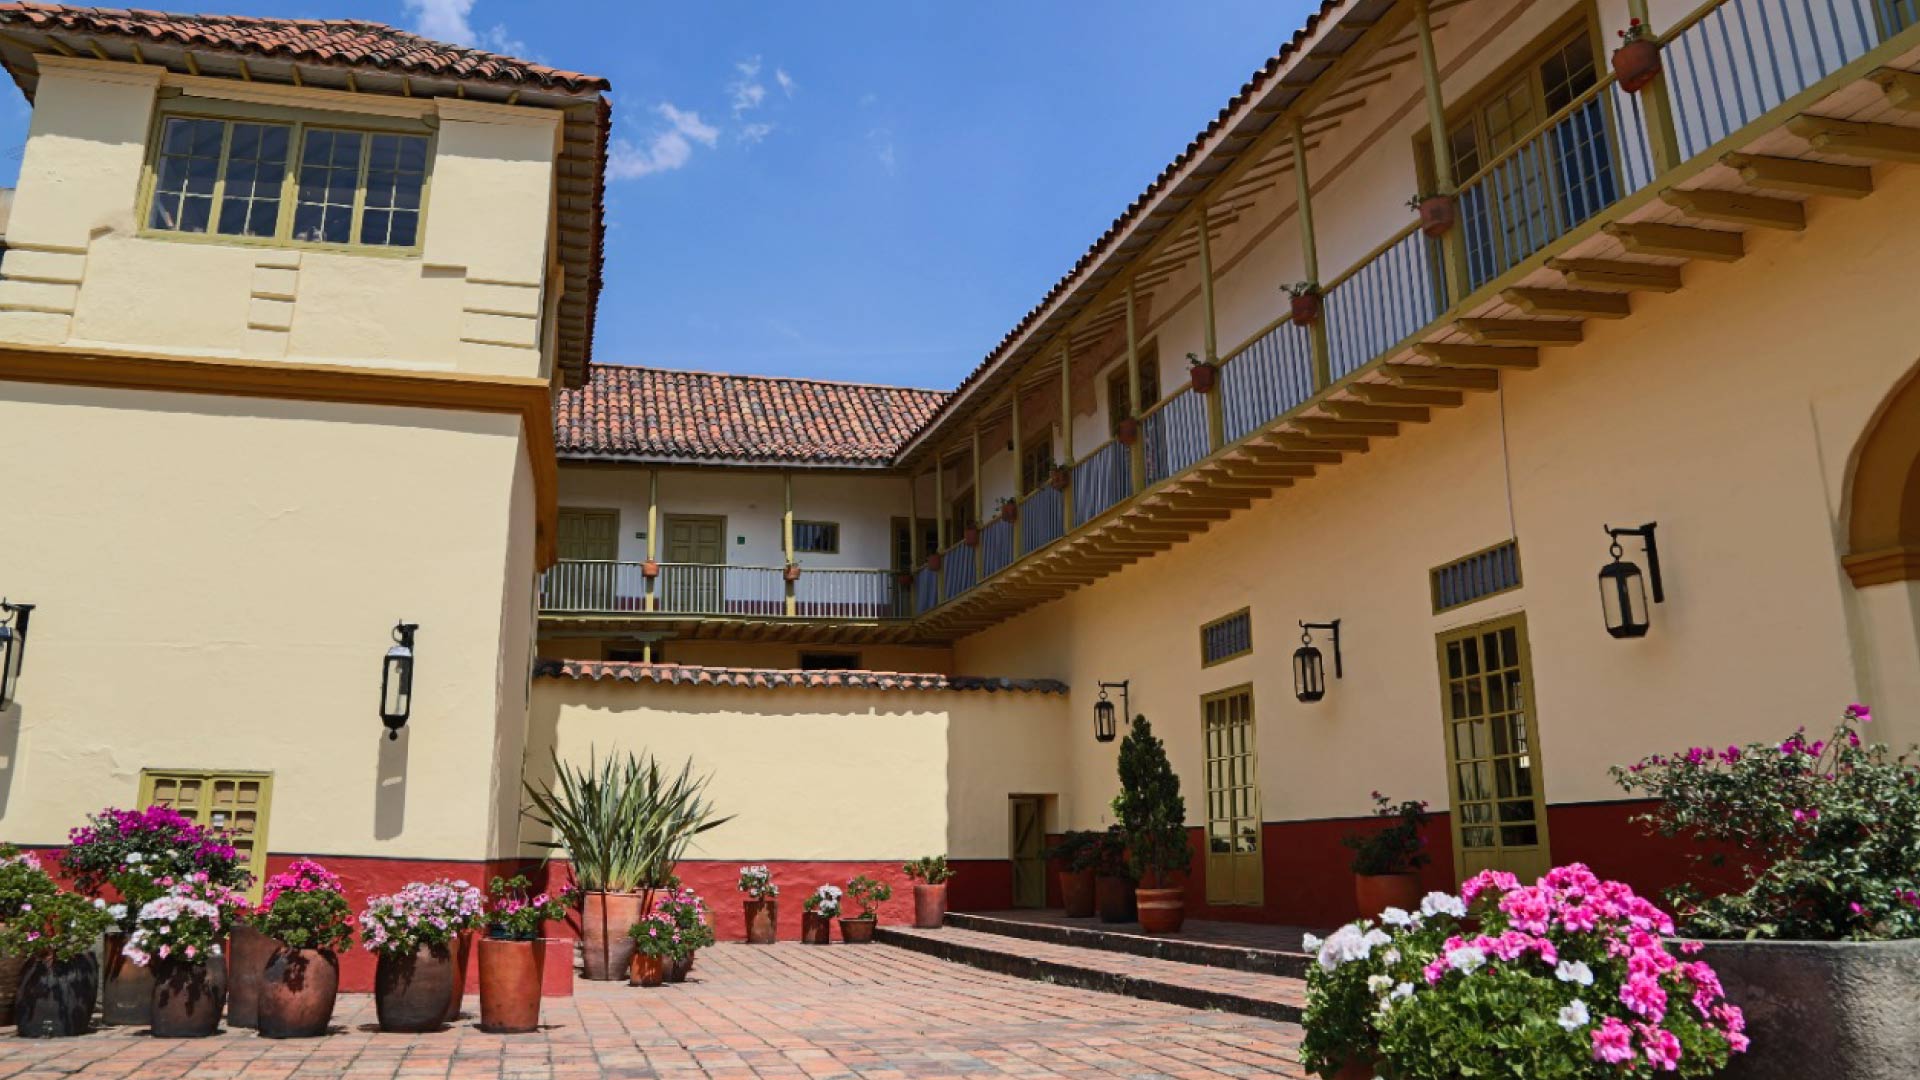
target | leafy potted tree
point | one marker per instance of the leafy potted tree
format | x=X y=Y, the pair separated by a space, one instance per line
x=761 y=906
x=1387 y=861
x=512 y=956
x=1113 y=881
x=305 y=910
x=817 y=914
x=53 y=934
x=624 y=824
x=869 y=894
x=180 y=936
x=414 y=935
x=695 y=925
x=1154 y=817
x=1304 y=302
x=1076 y=854
x=929 y=875
x=657 y=944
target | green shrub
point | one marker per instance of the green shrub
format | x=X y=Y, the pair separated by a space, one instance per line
x=1152 y=812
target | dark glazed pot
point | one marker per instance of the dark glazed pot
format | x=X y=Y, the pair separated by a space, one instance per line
x=1076 y=893
x=247 y=954
x=11 y=968
x=56 y=997
x=188 y=997
x=1114 y=898
x=126 y=993
x=510 y=974
x=411 y=990
x=678 y=969
x=297 y=991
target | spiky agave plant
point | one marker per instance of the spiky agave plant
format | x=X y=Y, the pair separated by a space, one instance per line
x=624 y=823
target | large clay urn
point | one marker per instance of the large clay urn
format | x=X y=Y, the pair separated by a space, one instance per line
x=605 y=918
x=248 y=951
x=510 y=979
x=56 y=997
x=411 y=990
x=929 y=906
x=189 y=997
x=297 y=992
x=126 y=991
x=1076 y=893
x=1161 y=911
x=1376 y=893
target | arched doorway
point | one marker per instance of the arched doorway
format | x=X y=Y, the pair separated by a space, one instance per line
x=1883 y=522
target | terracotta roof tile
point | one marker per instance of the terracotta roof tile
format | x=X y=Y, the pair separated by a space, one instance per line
x=649 y=413
x=779 y=678
x=350 y=42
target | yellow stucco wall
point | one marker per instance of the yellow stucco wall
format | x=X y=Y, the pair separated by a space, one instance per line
x=217 y=578
x=819 y=774
x=79 y=273
x=1727 y=412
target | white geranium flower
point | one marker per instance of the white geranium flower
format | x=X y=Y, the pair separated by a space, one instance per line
x=1574 y=971
x=1348 y=944
x=1378 y=983
x=1391 y=956
x=1394 y=916
x=134 y=857
x=1439 y=903
x=1311 y=942
x=1402 y=992
x=1575 y=1016
x=1466 y=959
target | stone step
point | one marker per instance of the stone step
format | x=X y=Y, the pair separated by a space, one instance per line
x=1196 y=986
x=1277 y=951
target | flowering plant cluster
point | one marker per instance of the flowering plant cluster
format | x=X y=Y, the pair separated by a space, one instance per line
x=658 y=935
x=306 y=908
x=421 y=914
x=516 y=914
x=869 y=894
x=132 y=850
x=1396 y=849
x=37 y=920
x=929 y=869
x=757 y=883
x=688 y=913
x=825 y=901
x=1565 y=979
x=1820 y=838
x=185 y=923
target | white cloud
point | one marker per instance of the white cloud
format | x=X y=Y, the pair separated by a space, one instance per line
x=753 y=133
x=748 y=91
x=452 y=21
x=667 y=149
x=785 y=80
x=882 y=140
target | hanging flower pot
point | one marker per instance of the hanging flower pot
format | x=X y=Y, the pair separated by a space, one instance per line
x=1436 y=215
x=1636 y=62
x=971 y=535
x=1127 y=431
x=792 y=573
x=1204 y=375
x=188 y=997
x=933 y=562
x=247 y=953
x=1009 y=510
x=650 y=569
x=126 y=991
x=1060 y=478
x=904 y=579
x=411 y=990
x=510 y=974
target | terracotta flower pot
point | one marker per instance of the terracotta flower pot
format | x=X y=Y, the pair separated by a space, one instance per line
x=1059 y=479
x=1204 y=377
x=1636 y=64
x=1162 y=911
x=126 y=990
x=56 y=997
x=1113 y=898
x=815 y=928
x=1009 y=512
x=1127 y=431
x=903 y=580
x=763 y=921
x=11 y=968
x=411 y=990
x=679 y=968
x=650 y=569
x=462 y=964
x=791 y=573
x=1376 y=893
x=188 y=997
x=929 y=906
x=247 y=953
x=646 y=970
x=858 y=931
x=933 y=562
x=1355 y=1069
x=1076 y=893
x=1305 y=309
x=1436 y=216
x=971 y=535
x=297 y=992
x=510 y=974
x=605 y=919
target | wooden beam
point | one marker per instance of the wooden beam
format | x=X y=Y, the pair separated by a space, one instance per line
x=1287 y=440
x=1383 y=394
x=1529 y=332
x=1677 y=241
x=1801 y=176
x=1442 y=378
x=1573 y=303
x=1618 y=275
x=1473 y=356
x=1735 y=208
x=1264 y=454
x=1314 y=425
x=1275 y=471
x=1902 y=88
x=1360 y=410
x=1875 y=142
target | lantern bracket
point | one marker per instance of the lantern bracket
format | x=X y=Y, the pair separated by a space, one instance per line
x=403 y=634
x=18 y=615
x=1126 y=705
x=1333 y=632
x=1645 y=533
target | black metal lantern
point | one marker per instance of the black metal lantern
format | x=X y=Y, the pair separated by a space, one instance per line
x=1105 y=727
x=396 y=680
x=1309 y=669
x=1623 y=589
x=13 y=647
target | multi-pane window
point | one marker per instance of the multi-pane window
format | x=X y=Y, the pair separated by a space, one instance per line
x=288 y=181
x=1499 y=811
x=1226 y=637
x=1234 y=865
x=816 y=537
x=1036 y=464
x=234 y=803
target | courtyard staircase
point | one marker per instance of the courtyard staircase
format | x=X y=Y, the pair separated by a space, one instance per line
x=1252 y=969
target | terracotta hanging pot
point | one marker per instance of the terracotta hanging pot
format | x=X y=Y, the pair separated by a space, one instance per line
x=858 y=931
x=462 y=965
x=126 y=992
x=1161 y=911
x=933 y=562
x=297 y=993
x=763 y=921
x=1076 y=893
x=791 y=573
x=1009 y=511
x=903 y=580
x=1636 y=64
x=1060 y=478
x=1204 y=377
x=56 y=997
x=188 y=997
x=1436 y=216
x=605 y=919
x=644 y=970
x=815 y=928
x=1127 y=431
x=971 y=535
x=248 y=951
x=1305 y=309
x=411 y=990
x=650 y=569
x=929 y=906
x=510 y=974
x=1376 y=893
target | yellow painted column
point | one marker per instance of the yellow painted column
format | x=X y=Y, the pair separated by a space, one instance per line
x=940 y=520
x=1454 y=247
x=1310 y=256
x=786 y=533
x=1137 y=453
x=653 y=531
x=1216 y=413
x=912 y=603
x=979 y=509
x=1019 y=465
x=1066 y=433
x=1656 y=105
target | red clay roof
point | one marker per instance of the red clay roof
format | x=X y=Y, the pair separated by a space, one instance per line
x=350 y=42
x=777 y=678
x=650 y=413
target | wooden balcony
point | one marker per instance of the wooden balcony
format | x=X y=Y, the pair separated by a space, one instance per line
x=727 y=602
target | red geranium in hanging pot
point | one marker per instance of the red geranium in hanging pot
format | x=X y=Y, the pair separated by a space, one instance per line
x=1059 y=478
x=933 y=562
x=1304 y=297
x=1204 y=374
x=1127 y=431
x=1636 y=62
x=1009 y=510
x=1436 y=214
x=971 y=535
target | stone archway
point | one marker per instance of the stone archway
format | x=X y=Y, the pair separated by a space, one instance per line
x=1883 y=520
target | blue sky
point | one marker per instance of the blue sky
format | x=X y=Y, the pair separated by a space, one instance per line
x=867 y=191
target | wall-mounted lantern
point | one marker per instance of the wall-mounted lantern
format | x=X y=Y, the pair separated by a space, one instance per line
x=13 y=646
x=1104 y=725
x=396 y=680
x=1309 y=669
x=1623 y=589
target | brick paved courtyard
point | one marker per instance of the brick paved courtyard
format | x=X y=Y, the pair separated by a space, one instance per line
x=787 y=1012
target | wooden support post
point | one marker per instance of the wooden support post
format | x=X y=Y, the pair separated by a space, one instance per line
x=786 y=534
x=1310 y=258
x=1656 y=105
x=911 y=602
x=979 y=509
x=1137 y=453
x=1216 y=413
x=653 y=533
x=1019 y=466
x=1066 y=433
x=940 y=523
x=1454 y=246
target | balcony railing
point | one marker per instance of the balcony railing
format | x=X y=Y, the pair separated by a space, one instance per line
x=1175 y=434
x=1265 y=377
x=996 y=547
x=1101 y=480
x=1042 y=518
x=1385 y=298
x=587 y=587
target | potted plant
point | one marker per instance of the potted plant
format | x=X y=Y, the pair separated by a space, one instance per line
x=1008 y=510
x=1304 y=302
x=1076 y=854
x=248 y=950
x=869 y=894
x=1113 y=883
x=691 y=919
x=305 y=910
x=970 y=535
x=657 y=945
x=22 y=883
x=929 y=875
x=180 y=937
x=512 y=956
x=1436 y=214
x=1569 y=977
x=1203 y=373
x=122 y=855
x=1059 y=477
x=414 y=935
x=933 y=561
x=903 y=579
x=1814 y=925
x=1126 y=430
x=817 y=914
x=1154 y=817
x=624 y=824
x=761 y=906
x=1636 y=63
x=791 y=574
x=52 y=933
x=1387 y=861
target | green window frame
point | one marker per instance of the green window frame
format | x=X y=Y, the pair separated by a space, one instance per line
x=257 y=175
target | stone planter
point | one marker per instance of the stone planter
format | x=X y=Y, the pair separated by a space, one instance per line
x=1820 y=1010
